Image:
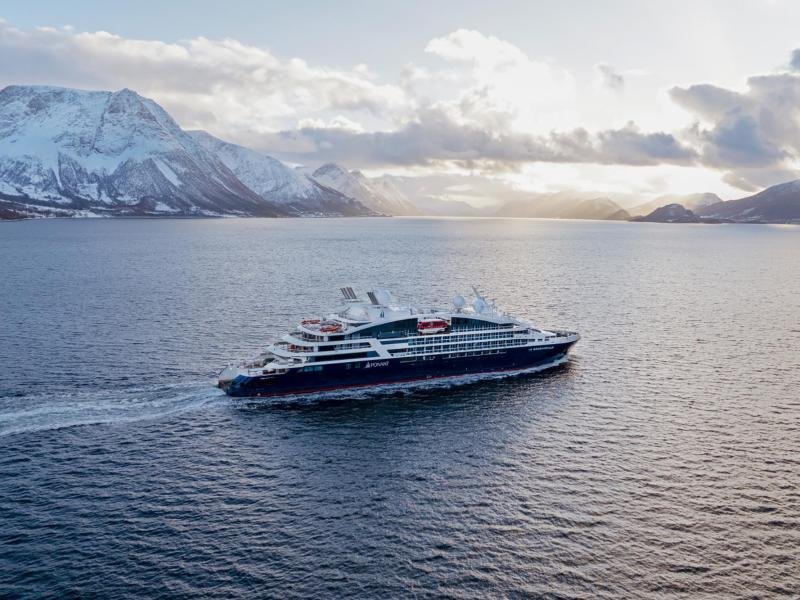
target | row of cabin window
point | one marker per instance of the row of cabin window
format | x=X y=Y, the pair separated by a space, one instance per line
x=462 y=346
x=329 y=348
x=348 y=356
x=415 y=358
x=310 y=368
x=478 y=353
x=465 y=337
x=408 y=327
x=417 y=340
x=333 y=347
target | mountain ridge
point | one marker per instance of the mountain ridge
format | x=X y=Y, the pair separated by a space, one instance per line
x=280 y=184
x=669 y=213
x=113 y=153
x=379 y=195
x=779 y=203
x=70 y=152
x=690 y=201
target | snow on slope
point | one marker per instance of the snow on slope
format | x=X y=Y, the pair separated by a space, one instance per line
x=379 y=195
x=112 y=153
x=776 y=204
x=278 y=183
x=395 y=201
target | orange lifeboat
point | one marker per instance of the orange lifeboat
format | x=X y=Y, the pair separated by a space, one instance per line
x=432 y=325
x=310 y=322
x=330 y=328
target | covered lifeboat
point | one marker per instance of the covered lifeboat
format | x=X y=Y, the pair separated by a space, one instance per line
x=430 y=325
x=323 y=326
x=330 y=327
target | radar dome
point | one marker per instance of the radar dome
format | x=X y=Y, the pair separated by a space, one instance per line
x=459 y=302
x=479 y=305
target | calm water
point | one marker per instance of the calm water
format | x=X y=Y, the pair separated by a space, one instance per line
x=663 y=461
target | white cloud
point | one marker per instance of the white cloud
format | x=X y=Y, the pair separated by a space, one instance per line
x=506 y=87
x=219 y=84
x=339 y=122
x=753 y=133
x=433 y=137
x=479 y=104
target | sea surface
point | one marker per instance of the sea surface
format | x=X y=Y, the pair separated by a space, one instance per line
x=663 y=461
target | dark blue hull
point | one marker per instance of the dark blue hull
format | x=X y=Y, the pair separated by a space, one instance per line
x=392 y=371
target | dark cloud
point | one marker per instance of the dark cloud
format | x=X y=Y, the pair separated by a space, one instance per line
x=755 y=180
x=794 y=62
x=631 y=147
x=435 y=138
x=707 y=101
x=738 y=140
x=239 y=91
x=754 y=134
x=609 y=78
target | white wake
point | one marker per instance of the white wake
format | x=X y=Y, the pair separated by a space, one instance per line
x=43 y=412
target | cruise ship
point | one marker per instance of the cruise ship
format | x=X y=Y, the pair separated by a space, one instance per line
x=374 y=341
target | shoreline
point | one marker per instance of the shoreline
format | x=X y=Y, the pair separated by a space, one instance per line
x=431 y=217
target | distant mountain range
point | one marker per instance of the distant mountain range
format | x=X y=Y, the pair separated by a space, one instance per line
x=671 y=213
x=436 y=207
x=565 y=205
x=67 y=152
x=777 y=204
x=691 y=201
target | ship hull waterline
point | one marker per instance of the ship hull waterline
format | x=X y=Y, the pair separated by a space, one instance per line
x=378 y=372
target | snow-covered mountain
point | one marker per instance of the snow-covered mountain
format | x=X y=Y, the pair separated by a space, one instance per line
x=279 y=184
x=378 y=194
x=776 y=204
x=393 y=199
x=65 y=151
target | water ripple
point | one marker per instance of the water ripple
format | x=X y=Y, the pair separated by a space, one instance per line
x=660 y=462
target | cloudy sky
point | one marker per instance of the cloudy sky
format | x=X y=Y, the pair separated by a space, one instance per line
x=622 y=97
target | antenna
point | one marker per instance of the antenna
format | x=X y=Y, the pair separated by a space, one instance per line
x=477 y=293
x=348 y=293
x=373 y=298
